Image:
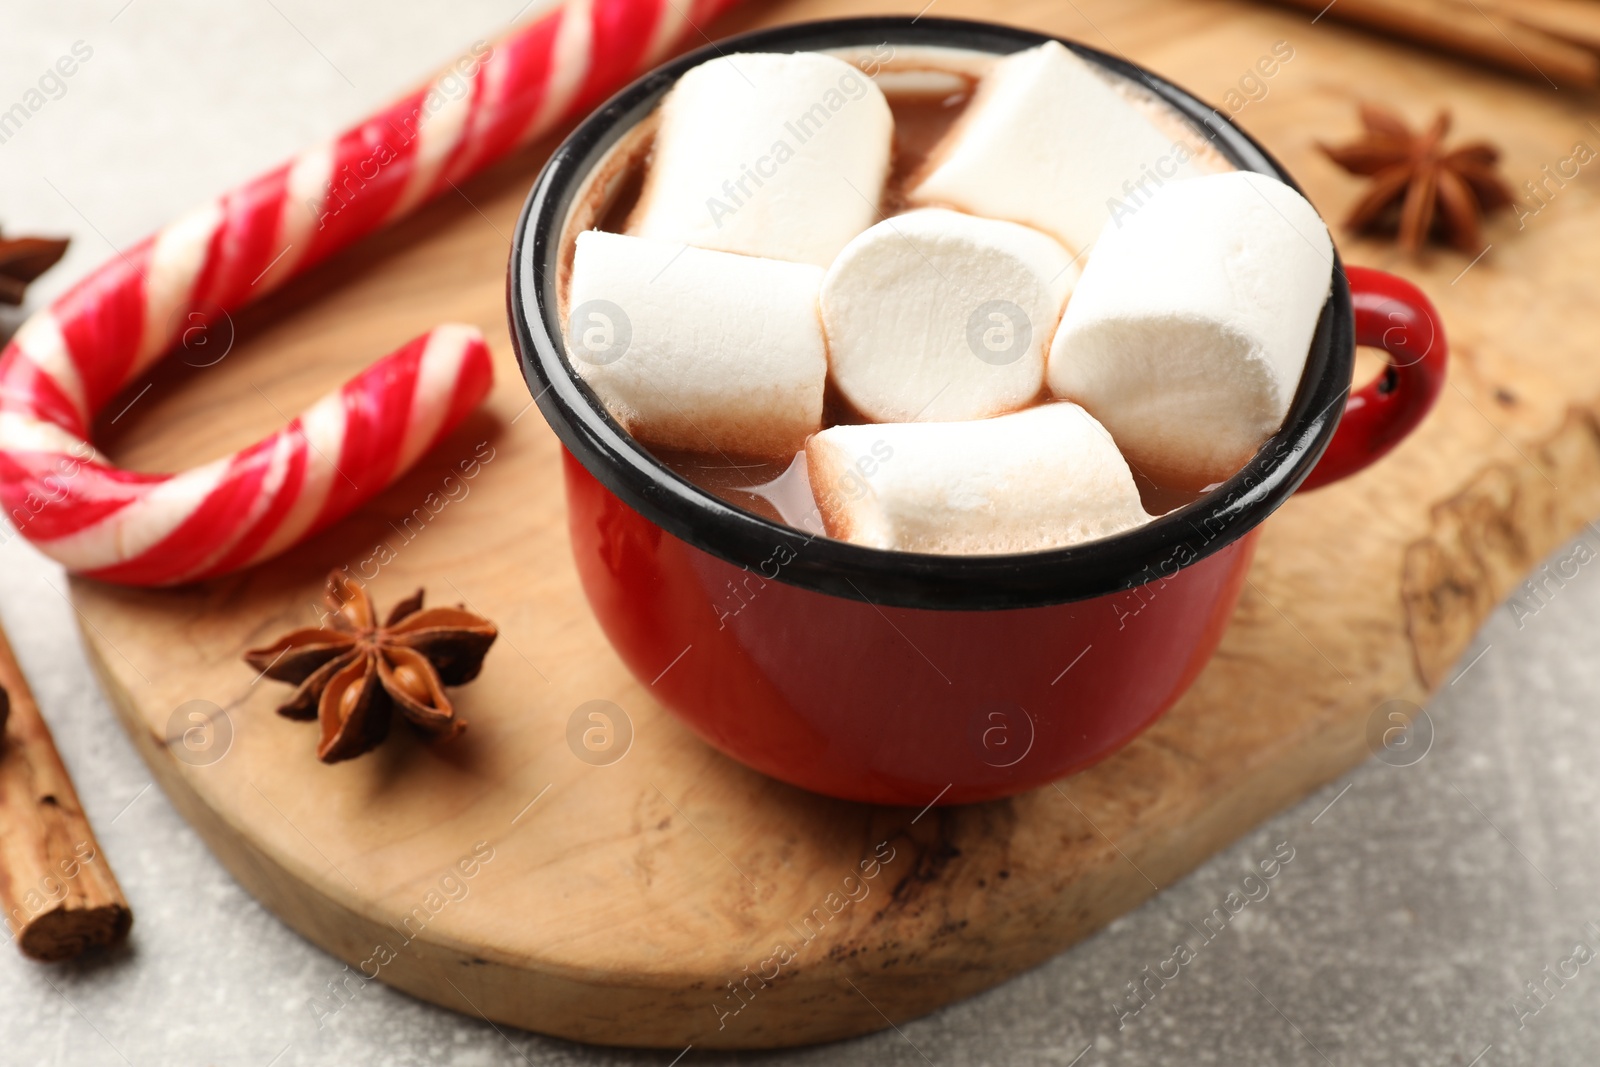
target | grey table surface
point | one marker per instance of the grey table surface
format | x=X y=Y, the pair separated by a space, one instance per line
x=1420 y=901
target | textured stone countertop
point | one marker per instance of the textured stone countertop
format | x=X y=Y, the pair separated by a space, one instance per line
x=1419 y=901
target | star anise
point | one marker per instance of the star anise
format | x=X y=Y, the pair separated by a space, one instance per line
x=354 y=675
x=1418 y=189
x=22 y=259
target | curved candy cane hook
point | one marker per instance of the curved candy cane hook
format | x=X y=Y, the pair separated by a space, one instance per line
x=72 y=358
x=158 y=529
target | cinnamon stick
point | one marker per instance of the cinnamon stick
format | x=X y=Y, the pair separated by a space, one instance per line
x=1571 y=20
x=1483 y=32
x=56 y=887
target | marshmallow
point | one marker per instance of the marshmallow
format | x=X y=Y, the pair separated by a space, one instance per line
x=937 y=316
x=782 y=156
x=698 y=350
x=1189 y=330
x=1042 y=478
x=1049 y=142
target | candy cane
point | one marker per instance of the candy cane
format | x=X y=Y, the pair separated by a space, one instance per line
x=70 y=359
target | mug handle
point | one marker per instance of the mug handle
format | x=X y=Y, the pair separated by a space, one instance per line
x=1394 y=315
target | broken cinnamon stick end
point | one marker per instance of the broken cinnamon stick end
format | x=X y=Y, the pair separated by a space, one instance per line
x=65 y=933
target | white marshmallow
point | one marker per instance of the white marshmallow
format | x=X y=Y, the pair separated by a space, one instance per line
x=698 y=350
x=938 y=316
x=1050 y=143
x=1042 y=478
x=1189 y=330
x=782 y=156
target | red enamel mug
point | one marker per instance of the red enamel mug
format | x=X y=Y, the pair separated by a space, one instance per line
x=901 y=678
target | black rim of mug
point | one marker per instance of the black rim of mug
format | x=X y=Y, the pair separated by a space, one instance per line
x=1111 y=565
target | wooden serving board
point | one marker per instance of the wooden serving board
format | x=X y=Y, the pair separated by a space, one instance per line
x=615 y=903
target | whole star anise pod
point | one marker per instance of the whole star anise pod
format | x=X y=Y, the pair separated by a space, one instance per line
x=1419 y=189
x=353 y=674
x=22 y=259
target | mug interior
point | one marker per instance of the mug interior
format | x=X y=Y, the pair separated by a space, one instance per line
x=602 y=150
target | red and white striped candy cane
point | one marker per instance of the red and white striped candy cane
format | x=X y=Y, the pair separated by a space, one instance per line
x=69 y=360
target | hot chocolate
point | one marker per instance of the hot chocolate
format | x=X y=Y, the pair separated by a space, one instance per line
x=793 y=246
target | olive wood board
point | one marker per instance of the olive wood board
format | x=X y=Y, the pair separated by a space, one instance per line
x=615 y=903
